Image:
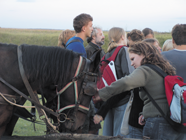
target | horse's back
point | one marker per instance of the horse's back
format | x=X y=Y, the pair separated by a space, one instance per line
x=6 y=47
x=7 y=52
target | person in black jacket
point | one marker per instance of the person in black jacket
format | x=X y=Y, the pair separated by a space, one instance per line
x=95 y=42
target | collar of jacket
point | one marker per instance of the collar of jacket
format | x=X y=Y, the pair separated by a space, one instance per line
x=95 y=46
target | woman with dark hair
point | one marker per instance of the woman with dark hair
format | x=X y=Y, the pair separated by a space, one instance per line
x=156 y=127
x=154 y=42
x=134 y=36
x=148 y=33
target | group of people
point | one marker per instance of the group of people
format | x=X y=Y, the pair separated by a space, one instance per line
x=139 y=48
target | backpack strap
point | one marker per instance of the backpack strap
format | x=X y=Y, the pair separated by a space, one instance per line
x=157 y=70
x=112 y=58
x=74 y=40
x=176 y=126
x=155 y=104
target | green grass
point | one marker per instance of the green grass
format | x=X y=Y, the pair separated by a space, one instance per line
x=161 y=37
x=29 y=36
x=50 y=37
x=26 y=128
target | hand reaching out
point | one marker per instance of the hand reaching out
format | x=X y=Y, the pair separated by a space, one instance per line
x=97 y=119
x=96 y=98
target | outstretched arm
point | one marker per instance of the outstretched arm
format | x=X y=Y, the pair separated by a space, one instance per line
x=138 y=78
x=106 y=106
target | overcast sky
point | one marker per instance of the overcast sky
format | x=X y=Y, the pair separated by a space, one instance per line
x=159 y=15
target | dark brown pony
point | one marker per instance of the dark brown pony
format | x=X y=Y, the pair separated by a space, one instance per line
x=44 y=66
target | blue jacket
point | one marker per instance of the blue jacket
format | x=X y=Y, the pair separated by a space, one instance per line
x=77 y=46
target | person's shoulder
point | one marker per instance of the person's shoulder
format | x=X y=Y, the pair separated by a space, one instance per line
x=124 y=49
x=144 y=71
x=144 y=68
x=91 y=47
x=168 y=52
x=72 y=38
x=77 y=40
x=88 y=47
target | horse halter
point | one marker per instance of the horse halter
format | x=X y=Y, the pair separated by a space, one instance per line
x=77 y=75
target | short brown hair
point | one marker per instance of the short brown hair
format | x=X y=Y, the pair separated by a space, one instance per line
x=147 y=31
x=80 y=21
x=151 y=40
x=136 y=35
x=179 y=34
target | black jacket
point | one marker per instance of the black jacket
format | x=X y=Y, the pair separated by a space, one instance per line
x=91 y=48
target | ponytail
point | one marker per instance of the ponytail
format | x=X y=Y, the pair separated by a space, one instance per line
x=112 y=45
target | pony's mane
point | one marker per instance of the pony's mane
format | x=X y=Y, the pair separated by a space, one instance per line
x=48 y=63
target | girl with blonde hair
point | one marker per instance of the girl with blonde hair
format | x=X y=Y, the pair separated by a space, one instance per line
x=167 y=45
x=113 y=113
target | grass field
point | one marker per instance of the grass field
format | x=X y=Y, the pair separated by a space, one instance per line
x=45 y=38
x=50 y=37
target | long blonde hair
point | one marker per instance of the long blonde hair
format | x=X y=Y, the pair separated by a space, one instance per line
x=115 y=35
x=64 y=37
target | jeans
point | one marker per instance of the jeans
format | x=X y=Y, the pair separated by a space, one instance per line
x=135 y=133
x=158 y=128
x=113 y=120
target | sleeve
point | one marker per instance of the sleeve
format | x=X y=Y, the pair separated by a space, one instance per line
x=106 y=106
x=137 y=78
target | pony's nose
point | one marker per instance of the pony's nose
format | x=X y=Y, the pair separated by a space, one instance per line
x=90 y=89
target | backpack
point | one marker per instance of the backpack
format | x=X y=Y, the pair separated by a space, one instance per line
x=107 y=70
x=175 y=90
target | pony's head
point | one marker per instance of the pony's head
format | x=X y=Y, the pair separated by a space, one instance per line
x=76 y=99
